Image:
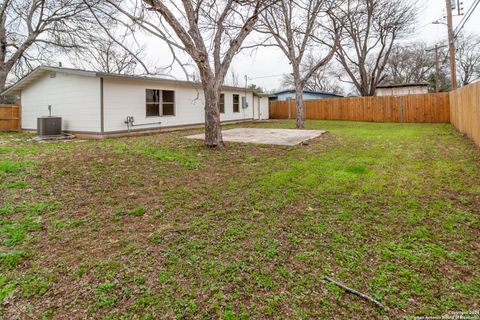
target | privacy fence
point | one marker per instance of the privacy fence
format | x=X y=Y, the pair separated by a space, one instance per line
x=9 y=117
x=413 y=108
x=460 y=107
x=465 y=110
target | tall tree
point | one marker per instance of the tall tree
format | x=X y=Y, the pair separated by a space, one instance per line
x=444 y=81
x=210 y=32
x=30 y=29
x=109 y=56
x=301 y=29
x=410 y=63
x=323 y=80
x=468 y=57
x=370 y=30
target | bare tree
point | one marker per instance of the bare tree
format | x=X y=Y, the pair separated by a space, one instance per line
x=370 y=30
x=31 y=29
x=444 y=80
x=233 y=80
x=410 y=63
x=468 y=57
x=299 y=27
x=323 y=80
x=108 y=56
x=210 y=32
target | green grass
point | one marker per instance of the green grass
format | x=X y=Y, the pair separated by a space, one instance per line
x=8 y=166
x=160 y=227
x=138 y=211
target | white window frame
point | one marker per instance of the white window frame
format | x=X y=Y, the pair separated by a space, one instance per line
x=160 y=103
x=233 y=103
x=172 y=103
x=220 y=99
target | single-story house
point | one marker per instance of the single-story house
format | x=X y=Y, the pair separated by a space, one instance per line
x=401 y=89
x=98 y=104
x=307 y=95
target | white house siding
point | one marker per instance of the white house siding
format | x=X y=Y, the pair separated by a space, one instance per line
x=125 y=97
x=74 y=98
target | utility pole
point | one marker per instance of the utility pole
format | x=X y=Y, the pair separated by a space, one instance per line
x=437 y=70
x=437 y=67
x=451 y=45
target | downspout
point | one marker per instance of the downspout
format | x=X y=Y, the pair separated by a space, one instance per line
x=253 y=106
x=259 y=107
x=102 y=115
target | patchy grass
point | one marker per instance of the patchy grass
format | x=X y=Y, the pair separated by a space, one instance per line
x=8 y=166
x=159 y=227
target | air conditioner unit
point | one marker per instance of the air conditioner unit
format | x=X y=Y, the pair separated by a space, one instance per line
x=49 y=126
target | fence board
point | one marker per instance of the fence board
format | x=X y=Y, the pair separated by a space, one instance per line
x=413 y=108
x=9 y=117
x=465 y=110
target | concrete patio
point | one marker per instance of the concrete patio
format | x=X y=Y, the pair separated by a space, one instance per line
x=283 y=137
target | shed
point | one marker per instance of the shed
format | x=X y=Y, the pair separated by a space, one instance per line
x=402 y=89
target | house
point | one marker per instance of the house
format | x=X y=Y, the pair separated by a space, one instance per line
x=307 y=95
x=402 y=89
x=98 y=104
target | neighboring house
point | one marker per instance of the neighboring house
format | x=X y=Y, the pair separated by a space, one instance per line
x=307 y=95
x=402 y=89
x=98 y=104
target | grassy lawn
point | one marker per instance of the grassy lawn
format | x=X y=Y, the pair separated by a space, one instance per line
x=159 y=227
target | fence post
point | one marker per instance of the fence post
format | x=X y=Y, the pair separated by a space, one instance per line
x=401 y=109
x=289 y=107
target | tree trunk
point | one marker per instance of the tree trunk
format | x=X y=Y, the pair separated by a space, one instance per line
x=299 y=106
x=3 y=81
x=213 y=128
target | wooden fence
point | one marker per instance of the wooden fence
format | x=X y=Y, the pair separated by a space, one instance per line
x=9 y=117
x=433 y=107
x=465 y=110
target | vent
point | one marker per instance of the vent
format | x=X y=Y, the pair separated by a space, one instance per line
x=49 y=126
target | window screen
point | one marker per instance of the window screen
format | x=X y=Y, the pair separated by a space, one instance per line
x=160 y=103
x=236 y=103
x=168 y=103
x=153 y=102
x=221 y=104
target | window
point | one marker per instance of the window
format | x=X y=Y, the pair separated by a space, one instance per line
x=160 y=103
x=236 y=103
x=153 y=103
x=221 y=104
x=168 y=103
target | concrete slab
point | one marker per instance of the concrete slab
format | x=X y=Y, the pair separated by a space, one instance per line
x=283 y=137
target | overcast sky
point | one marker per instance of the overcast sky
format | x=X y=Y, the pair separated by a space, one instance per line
x=266 y=66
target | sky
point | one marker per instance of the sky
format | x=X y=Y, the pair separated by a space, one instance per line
x=266 y=65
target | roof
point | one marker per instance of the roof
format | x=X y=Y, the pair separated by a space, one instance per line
x=43 y=70
x=306 y=91
x=421 y=84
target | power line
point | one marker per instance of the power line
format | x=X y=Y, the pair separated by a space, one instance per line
x=467 y=17
x=263 y=77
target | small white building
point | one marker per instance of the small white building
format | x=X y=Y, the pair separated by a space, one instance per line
x=98 y=104
x=402 y=89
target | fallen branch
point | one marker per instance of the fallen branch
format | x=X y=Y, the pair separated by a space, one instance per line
x=355 y=292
